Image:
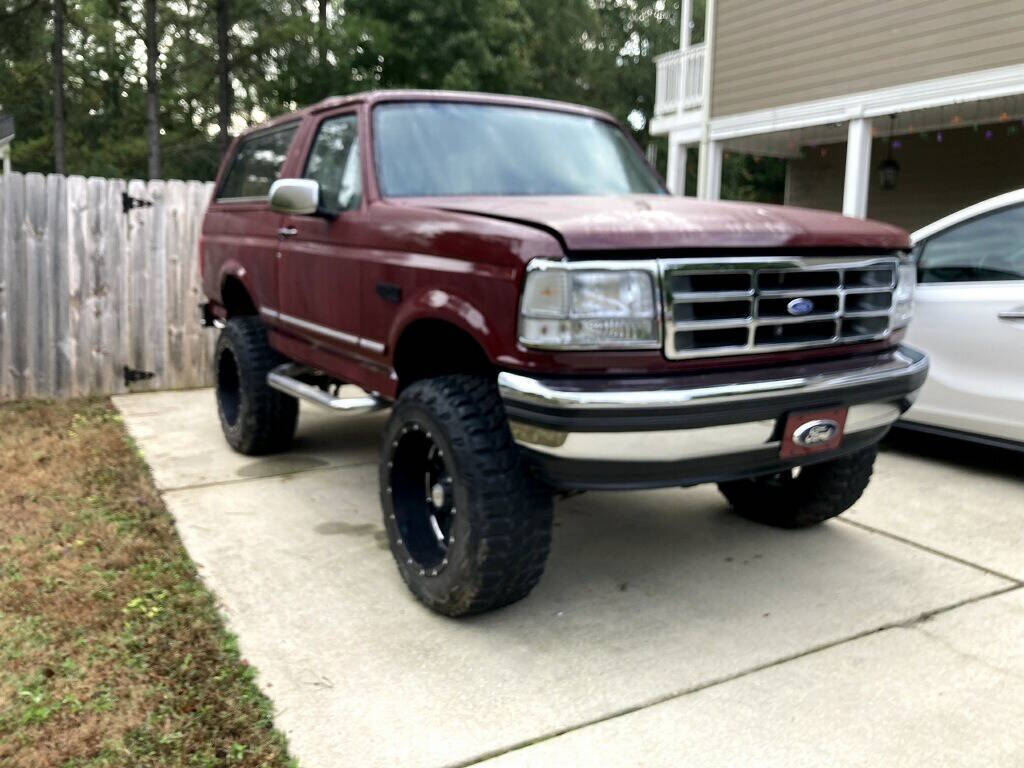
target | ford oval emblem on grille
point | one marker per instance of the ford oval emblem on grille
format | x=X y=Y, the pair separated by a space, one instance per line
x=815 y=432
x=800 y=307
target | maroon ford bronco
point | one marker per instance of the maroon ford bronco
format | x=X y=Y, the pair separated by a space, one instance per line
x=511 y=278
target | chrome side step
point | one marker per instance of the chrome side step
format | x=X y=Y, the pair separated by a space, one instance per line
x=285 y=379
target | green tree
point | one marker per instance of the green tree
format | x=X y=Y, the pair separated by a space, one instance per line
x=26 y=80
x=461 y=44
x=221 y=64
x=754 y=179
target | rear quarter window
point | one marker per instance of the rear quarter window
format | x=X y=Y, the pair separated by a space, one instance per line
x=256 y=164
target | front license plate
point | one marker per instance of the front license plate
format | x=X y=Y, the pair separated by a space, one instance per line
x=807 y=432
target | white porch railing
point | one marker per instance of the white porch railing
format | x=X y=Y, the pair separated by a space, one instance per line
x=679 y=83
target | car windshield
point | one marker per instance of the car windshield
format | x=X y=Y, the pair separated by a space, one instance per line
x=432 y=149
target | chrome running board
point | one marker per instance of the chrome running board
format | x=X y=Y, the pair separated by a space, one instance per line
x=285 y=379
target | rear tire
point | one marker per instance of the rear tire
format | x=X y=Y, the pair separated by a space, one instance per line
x=255 y=418
x=469 y=529
x=817 y=493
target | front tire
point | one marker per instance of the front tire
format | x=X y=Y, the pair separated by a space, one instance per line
x=796 y=500
x=469 y=529
x=255 y=418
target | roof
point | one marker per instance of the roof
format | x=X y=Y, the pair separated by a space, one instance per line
x=6 y=128
x=379 y=96
x=985 y=206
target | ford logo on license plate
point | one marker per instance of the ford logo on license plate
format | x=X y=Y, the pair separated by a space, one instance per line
x=815 y=432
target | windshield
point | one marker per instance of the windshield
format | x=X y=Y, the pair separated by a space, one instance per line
x=431 y=149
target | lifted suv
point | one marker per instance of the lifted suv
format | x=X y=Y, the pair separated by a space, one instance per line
x=511 y=278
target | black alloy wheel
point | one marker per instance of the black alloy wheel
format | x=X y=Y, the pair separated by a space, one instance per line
x=423 y=499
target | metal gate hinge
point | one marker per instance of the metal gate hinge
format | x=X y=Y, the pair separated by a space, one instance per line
x=128 y=202
x=132 y=375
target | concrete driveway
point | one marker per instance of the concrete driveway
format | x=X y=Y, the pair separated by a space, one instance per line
x=666 y=631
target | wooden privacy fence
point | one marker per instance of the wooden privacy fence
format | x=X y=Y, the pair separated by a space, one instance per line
x=99 y=278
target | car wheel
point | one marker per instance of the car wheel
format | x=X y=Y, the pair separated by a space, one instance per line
x=469 y=529
x=255 y=418
x=805 y=496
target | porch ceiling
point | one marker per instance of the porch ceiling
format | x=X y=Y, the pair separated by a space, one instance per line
x=788 y=143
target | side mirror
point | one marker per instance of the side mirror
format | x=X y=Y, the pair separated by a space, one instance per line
x=299 y=197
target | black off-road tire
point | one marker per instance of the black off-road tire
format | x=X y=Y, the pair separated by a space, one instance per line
x=817 y=493
x=256 y=419
x=490 y=522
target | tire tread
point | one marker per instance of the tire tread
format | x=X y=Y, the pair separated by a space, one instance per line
x=269 y=417
x=822 y=491
x=512 y=513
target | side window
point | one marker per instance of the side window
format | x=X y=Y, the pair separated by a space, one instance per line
x=334 y=162
x=990 y=247
x=257 y=164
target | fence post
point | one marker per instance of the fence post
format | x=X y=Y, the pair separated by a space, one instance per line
x=7 y=187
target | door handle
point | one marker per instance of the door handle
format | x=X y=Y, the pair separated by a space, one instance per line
x=287 y=232
x=1017 y=313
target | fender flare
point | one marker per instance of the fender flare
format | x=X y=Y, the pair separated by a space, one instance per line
x=433 y=304
x=232 y=268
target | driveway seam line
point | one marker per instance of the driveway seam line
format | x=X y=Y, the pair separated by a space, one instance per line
x=905 y=624
x=931 y=550
x=239 y=480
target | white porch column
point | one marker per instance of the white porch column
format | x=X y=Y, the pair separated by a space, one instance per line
x=675 y=171
x=709 y=171
x=684 y=24
x=5 y=156
x=858 y=168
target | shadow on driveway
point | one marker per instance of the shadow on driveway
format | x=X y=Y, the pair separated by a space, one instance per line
x=962 y=454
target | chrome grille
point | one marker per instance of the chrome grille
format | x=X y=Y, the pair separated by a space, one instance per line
x=747 y=305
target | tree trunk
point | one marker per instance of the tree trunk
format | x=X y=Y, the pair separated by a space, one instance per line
x=152 y=93
x=58 y=86
x=322 y=30
x=224 y=95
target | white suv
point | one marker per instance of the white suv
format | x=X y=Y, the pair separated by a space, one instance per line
x=970 y=320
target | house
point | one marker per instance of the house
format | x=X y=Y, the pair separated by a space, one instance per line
x=899 y=110
x=6 y=137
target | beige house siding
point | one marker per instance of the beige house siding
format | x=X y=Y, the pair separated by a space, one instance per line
x=935 y=179
x=768 y=53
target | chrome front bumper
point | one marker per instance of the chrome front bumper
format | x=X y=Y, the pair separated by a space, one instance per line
x=630 y=432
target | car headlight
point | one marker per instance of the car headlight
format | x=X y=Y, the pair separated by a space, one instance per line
x=903 y=296
x=589 y=308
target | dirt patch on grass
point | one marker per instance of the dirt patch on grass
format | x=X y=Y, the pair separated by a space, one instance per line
x=111 y=651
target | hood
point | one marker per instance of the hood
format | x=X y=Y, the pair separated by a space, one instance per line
x=639 y=222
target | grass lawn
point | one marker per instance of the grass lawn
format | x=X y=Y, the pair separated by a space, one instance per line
x=111 y=650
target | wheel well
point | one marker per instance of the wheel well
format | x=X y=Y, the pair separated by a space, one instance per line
x=235 y=298
x=430 y=348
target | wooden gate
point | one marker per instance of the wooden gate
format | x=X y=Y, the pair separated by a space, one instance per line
x=99 y=283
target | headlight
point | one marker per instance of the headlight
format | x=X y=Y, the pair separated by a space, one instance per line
x=587 y=308
x=903 y=296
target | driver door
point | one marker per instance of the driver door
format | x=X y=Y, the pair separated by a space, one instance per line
x=969 y=318
x=319 y=267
